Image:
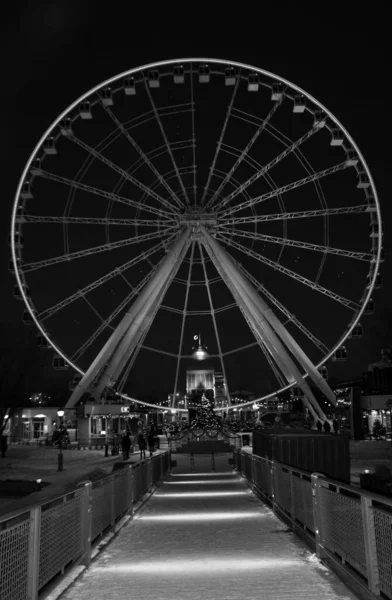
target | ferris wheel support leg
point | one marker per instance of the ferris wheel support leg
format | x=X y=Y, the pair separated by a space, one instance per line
x=247 y=300
x=98 y=367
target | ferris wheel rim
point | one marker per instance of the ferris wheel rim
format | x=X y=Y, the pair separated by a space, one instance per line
x=227 y=62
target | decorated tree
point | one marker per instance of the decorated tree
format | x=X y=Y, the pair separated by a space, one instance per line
x=205 y=416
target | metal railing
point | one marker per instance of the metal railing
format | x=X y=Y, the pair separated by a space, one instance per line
x=344 y=524
x=200 y=435
x=38 y=543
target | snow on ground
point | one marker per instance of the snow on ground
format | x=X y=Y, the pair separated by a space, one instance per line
x=184 y=545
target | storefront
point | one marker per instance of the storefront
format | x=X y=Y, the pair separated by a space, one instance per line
x=33 y=424
x=103 y=422
x=377 y=408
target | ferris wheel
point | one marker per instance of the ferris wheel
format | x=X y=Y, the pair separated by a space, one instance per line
x=196 y=195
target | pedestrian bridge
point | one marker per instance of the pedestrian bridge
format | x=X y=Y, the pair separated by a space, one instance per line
x=201 y=530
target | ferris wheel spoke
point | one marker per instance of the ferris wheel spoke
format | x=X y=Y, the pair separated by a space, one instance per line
x=144 y=157
x=211 y=304
x=267 y=167
x=48 y=312
x=245 y=152
x=323 y=212
x=276 y=266
x=289 y=316
x=103 y=193
x=33 y=266
x=366 y=256
x=168 y=147
x=194 y=140
x=124 y=174
x=286 y=188
x=222 y=134
x=106 y=323
x=95 y=221
x=183 y=313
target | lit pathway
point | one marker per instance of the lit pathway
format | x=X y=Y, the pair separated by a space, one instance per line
x=206 y=536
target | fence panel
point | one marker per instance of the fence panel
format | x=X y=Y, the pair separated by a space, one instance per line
x=383 y=534
x=282 y=489
x=342 y=527
x=61 y=540
x=121 y=497
x=302 y=499
x=14 y=559
x=101 y=507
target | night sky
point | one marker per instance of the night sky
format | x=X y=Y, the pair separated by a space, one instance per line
x=53 y=56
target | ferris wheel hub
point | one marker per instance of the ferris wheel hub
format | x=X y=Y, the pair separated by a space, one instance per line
x=197 y=218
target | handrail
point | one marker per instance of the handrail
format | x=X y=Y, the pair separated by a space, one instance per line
x=29 y=536
x=349 y=528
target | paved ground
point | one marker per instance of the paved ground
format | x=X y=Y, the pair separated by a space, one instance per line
x=205 y=535
x=30 y=463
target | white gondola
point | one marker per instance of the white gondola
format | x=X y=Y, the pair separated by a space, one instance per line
x=26 y=193
x=18 y=240
x=204 y=74
x=253 y=82
x=18 y=293
x=363 y=181
x=178 y=74
x=369 y=308
x=85 y=111
x=378 y=282
x=371 y=204
x=323 y=372
x=20 y=215
x=49 y=146
x=337 y=137
x=59 y=364
x=299 y=104
x=74 y=381
x=42 y=342
x=66 y=127
x=129 y=86
x=230 y=76
x=27 y=319
x=106 y=97
x=351 y=158
x=374 y=230
x=11 y=266
x=357 y=332
x=277 y=91
x=319 y=118
x=340 y=355
x=36 y=168
x=153 y=79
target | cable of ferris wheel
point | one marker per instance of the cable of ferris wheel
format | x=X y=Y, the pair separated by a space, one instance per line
x=245 y=152
x=365 y=256
x=274 y=265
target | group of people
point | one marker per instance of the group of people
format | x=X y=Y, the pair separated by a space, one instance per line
x=151 y=438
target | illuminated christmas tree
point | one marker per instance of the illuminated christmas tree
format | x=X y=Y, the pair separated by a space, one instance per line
x=205 y=416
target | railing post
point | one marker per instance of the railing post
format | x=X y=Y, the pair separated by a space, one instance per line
x=212 y=461
x=273 y=484
x=192 y=461
x=370 y=545
x=317 y=513
x=87 y=518
x=112 y=503
x=292 y=496
x=34 y=554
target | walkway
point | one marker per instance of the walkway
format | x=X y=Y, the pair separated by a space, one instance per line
x=205 y=535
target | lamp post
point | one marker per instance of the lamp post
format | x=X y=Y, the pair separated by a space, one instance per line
x=60 y=414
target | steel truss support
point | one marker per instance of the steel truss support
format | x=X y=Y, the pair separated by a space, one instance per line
x=267 y=324
x=112 y=359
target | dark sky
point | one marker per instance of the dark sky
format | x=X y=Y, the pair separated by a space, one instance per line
x=55 y=52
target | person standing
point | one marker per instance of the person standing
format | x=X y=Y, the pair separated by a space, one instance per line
x=327 y=427
x=142 y=445
x=151 y=440
x=126 y=446
x=335 y=425
x=319 y=425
